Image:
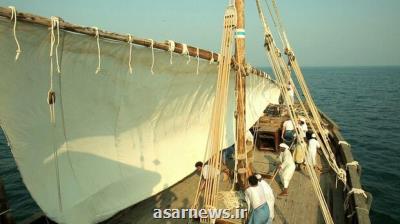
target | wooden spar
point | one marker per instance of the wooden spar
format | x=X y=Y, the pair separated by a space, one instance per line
x=203 y=54
x=5 y=215
x=241 y=97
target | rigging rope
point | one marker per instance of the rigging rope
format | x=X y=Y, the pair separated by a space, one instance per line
x=171 y=48
x=282 y=74
x=152 y=55
x=98 y=49
x=51 y=98
x=353 y=191
x=212 y=58
x=217 y=127
x=185 y=51
x=130 y=53
x=14 y=16
x=323 y=139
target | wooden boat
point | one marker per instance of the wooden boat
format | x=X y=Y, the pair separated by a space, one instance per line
x=90 y=182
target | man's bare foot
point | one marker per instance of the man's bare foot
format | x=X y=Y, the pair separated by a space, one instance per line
x=284 y=192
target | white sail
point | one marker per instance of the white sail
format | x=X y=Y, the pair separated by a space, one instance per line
x=120 y=137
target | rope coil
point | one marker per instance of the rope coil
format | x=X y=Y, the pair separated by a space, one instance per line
x=14 y=16
x=171 y=48
x=130 y=39
x=152 y=55
x=97 y=35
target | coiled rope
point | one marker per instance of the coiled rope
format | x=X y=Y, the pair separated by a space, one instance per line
x=14 y=16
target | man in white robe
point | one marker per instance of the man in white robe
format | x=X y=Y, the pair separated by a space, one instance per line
x=303 y=126
x=286 y=167
x=313 y=146
x=269 y=195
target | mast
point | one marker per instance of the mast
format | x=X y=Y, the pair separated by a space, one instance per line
x=240 y=95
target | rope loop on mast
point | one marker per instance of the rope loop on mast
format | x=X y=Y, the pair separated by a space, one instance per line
x=14 y=16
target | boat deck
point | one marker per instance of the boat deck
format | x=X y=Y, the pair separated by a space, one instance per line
x=300 y=206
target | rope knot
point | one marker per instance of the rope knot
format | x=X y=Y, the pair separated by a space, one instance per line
x=212 y=60
x=353 y=191
x=171 y=48
x=353 y=163
x=357 y=191
x=344 y=142
x=185 y=51
x=342 y=176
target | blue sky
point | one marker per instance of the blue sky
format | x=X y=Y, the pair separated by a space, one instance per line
x=322 y=33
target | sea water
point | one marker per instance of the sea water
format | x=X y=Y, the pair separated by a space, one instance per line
x=363 y=101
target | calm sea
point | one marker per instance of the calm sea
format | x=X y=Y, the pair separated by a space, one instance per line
x=364 y=101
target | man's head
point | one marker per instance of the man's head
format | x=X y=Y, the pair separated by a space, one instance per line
x=283 y=147
x=253 y=181
x=313 y=136
x=199 y=165
x=258 y=176
x=302 y=120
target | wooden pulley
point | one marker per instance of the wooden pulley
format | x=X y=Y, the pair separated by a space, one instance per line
x=51 y=97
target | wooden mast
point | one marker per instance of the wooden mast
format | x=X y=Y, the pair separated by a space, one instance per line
x=240 y=95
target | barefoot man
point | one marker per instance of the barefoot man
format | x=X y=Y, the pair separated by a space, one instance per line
x=286 y=167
